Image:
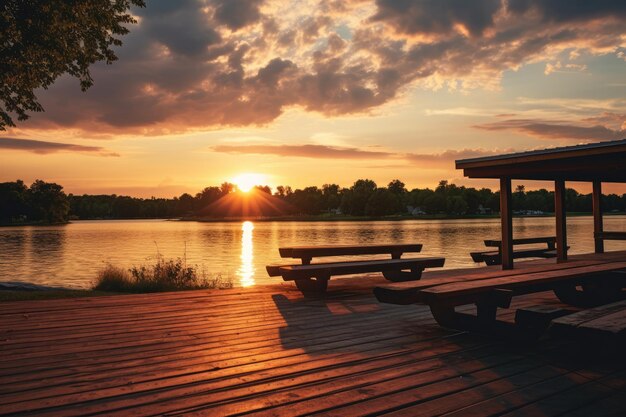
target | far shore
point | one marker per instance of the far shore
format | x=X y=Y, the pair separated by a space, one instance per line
x=317 y=218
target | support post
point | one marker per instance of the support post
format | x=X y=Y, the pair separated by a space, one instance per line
x=597 y=216
x=506 y=220
x=561 y=220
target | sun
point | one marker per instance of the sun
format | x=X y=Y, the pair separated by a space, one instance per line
x=246 y=182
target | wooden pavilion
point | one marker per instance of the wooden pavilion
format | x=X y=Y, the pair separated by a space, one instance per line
x=595 y=163
x=583 y=281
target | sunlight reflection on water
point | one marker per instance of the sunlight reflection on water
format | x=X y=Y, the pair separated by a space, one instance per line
x=246 y=270
x=71 y=255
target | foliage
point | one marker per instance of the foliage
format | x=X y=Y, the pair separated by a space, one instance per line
x=382 y=202
x=164 y=275
x=44 y=202
x=48 y=202
x=42 y=40
x=41 y=202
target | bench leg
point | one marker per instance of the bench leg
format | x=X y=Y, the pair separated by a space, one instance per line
x=485 y=319
x=401 y=276
x=313 y=286
x=491 y=261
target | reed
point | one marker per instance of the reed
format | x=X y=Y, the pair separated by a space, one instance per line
x=163 y=275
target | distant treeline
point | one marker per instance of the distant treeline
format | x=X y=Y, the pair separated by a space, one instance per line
x=47 y=203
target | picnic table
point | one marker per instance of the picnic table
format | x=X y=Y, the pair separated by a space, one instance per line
x=312 y=278
x=602 y=281
x=494 y=257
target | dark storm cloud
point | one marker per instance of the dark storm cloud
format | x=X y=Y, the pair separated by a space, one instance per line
x=43 y=147
x=437 y=16
x=210 y=63
x=569 y=10
x=237 y=14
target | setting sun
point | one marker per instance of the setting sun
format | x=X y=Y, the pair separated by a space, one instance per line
x=245 y=182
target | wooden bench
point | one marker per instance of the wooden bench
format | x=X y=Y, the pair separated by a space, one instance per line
x=494 y=257
x=494 y=289
x=610 y=235
x=313 y=278
x=605 y=323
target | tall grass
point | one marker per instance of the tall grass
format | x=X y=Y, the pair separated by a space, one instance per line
x=163 y=275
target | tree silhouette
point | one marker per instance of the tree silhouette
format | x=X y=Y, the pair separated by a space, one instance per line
x=43 y=39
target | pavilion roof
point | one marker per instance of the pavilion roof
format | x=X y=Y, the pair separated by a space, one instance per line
x=603 y=161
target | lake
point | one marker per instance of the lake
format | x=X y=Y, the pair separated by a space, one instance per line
x=70 y=255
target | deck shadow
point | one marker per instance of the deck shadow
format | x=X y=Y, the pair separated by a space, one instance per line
x=347 y=322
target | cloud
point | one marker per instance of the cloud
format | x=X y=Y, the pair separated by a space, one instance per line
x=567 y=10
x=547 y=129
x=446 y=159
x=205 y=64
x=437 y=16
x=44 y=148
x=304 y=151
x=443 y=159
x=237 y=14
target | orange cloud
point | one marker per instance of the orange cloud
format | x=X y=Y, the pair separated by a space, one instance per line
x=304 y=151
x=200 y=65
x=548 y=129
x=43 y=147
x=443 y=159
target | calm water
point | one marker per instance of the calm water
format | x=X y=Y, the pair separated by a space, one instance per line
x=70 y=255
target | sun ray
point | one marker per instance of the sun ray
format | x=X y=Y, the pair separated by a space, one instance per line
x=246 y=182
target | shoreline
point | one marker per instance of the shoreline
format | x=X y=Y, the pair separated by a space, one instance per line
x=316 y=218
x=323 y=218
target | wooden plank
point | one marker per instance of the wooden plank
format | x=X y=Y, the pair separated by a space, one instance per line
x=494 y=258
x=606 y=323
x=358 y=267
x=611 y=235
x=610 y=406
x=565 y=401
x=225 y=369
x=596 y=198
x=469 y=397
x=523 y=397
x=526 y=241
x=506 y=222
x=610 y=324
x=274 y=270
x=263 y=350
x=380 y=398
x=450 y=291
x=325 y=342
x=377 y=369
x=346 y=250
x=409 y=292
x=581 y=317
x=294 y=344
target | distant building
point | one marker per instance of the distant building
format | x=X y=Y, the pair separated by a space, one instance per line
x=414 y=211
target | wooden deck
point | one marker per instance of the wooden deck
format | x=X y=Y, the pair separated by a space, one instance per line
x=267 y=351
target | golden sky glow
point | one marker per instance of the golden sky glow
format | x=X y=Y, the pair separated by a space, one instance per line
x=245 y=182
x=311 y=92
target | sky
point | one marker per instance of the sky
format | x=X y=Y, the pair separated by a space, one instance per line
x=311 y=92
